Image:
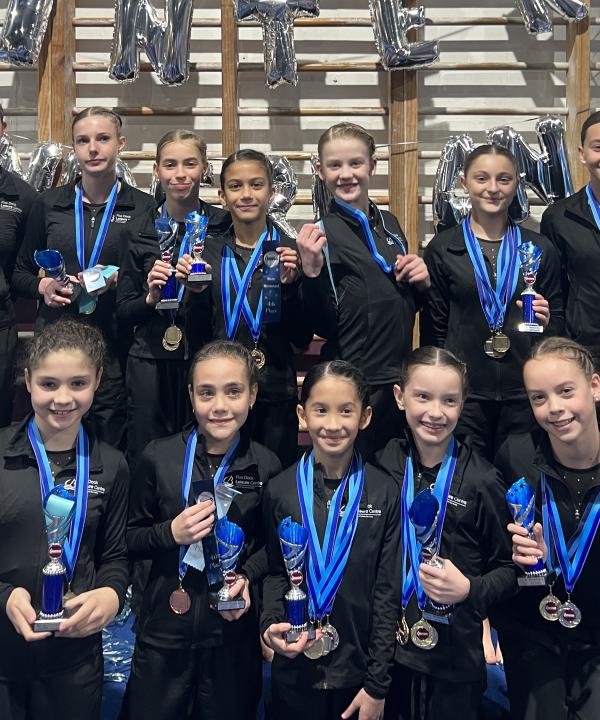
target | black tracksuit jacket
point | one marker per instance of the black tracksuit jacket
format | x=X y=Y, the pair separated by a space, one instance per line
x=366 y=605
x=51 y=224
x=371 y=324
x=102 y=560
x=527 y=455
x=452 y=317
x=474 y=538
x=16 y=198
x=570 y=225
x=205 y=320
x=155 y=502
x=149 y=324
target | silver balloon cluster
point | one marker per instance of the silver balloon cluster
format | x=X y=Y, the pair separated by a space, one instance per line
x=537 y=18
x=23 y=30
x=9 y=157
x=391 y=22
x=166 y=43
x=546 y=171
x=321 y=196
x=42 y=167
x=277 y=20
x=285 y=188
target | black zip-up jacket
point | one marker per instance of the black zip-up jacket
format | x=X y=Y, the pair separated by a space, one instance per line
x=371 y=325
x=366 y=605
x=156 y=501
x=149 y=324
x=206 y=321
x=16 y=198
x=475 y=540
x=570 y=225
x=527 y=455
x=102 y=560
x=452 y=317
x=51 y=224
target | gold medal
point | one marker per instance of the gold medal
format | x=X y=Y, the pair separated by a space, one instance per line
x=172 y=338
x=402 y=631
x=549 y=607
x=334 y=637
x=424 y=635
x=259 y=357
x=315 y=651
x=500 y=343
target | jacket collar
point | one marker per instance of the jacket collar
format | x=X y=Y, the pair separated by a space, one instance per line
x=373 y=215
x=19 y=446
x=228 y=237
x=245 y=456
x=577 y=206
x=66 y=196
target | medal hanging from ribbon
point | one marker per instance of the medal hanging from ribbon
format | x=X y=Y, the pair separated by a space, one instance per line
x=65 y=520
x=179 y=599
x=494 y=302
x=327 y=561
x=269 y=302
x=594 y=205
x=422 y=633
x=571 y=556
x=91 y=274
x=363 y=221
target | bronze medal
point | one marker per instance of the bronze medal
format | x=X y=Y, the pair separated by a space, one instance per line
x=315 y=651
x=179 y=601
x=172 y=338
x=500 y=343
x=402 y=632
x=259 y=358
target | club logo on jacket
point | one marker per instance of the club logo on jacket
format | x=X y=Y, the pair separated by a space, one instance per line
x=369 y=511
x=243 y=481
x=456 y=501
x=10 y=206
x=121 y=218
x=93 y=487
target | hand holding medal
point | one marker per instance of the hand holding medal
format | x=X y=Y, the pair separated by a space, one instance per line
x=274 y=637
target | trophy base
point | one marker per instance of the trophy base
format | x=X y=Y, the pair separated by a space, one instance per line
x=50 y=624
x=530 y=328
x=437 y=616
x=235 y=604
x=199 y=278
x=292 y=636
x=172 y=304
x=532 y=580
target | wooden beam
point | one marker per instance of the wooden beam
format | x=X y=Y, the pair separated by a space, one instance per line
x=229 y=79
x=577 y=89
x=56 y=80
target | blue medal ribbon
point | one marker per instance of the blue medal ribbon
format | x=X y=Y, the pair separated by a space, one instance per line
x=327 y=561
x=186 y=482
x=594 y=205
x=572 y=555
x=73 y=542
x=363 y=221
x=230 y=275
x=411 y=548
x=102 y=230
x=494 y=302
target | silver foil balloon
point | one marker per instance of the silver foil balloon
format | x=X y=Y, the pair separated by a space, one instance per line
x=285 y=188
x=391 y=21
x=9 y=157
x=321 y=196
x=277 y=20
x=166 y=43
x=43 y=165
x=23 y=31
x=71 y=169
x=537 y=18
x=551 y=136
x=448 y=207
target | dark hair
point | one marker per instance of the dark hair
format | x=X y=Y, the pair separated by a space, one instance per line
x=66 y=334
x=347 y=130
x=102 y=112
x=225 y=349
x=182 y=136
x=336 y=368
x=593 y=119
x=488 y=150
x=566 y=349
x=436 y=357
x=248 y=155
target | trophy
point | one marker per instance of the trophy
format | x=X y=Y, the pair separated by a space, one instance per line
x=59 y=508
x=196 y=226
x=529 y=257
x=424 y=515
x=521 y=500
x=293 y=539
x=53 y=265
x=166 y=229
x=230 y=542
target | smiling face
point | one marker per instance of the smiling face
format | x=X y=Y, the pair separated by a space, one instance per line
x=221 y=398
x=346 y=168
x=246 y=191
x=432 y=400
x=491 y=184
x=333 y=414
x=96 y=143
x=180 y=170
x=62 y=388
x=562 y=398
